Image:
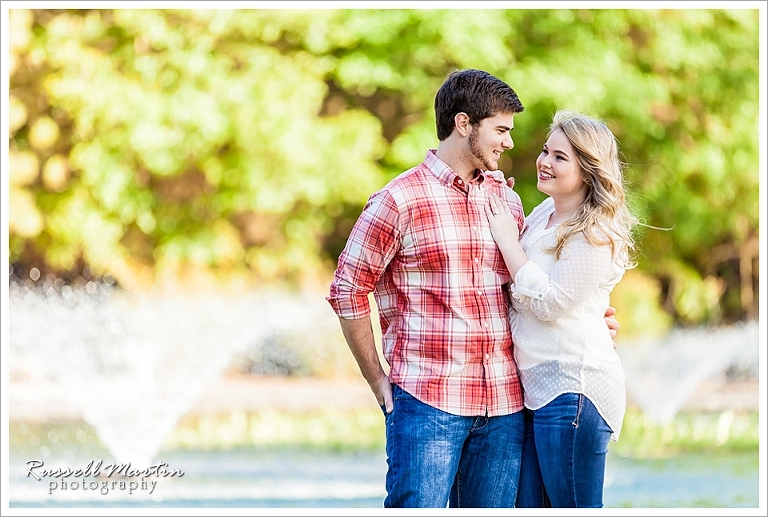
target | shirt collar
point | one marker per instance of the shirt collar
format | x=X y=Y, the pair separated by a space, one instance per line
x=446 y=175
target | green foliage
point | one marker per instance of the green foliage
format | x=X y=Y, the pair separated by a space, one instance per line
x=362 y=429
x=714 y=432
x=146 y=143
x=323 y=429
x=635 y=299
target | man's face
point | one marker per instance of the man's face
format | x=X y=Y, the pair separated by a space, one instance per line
x=489 y=139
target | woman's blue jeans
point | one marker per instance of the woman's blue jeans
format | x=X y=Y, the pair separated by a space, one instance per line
x=434 y=456
x=566 y=443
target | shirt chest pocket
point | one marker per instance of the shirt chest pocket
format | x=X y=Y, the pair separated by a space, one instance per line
x=426 y=255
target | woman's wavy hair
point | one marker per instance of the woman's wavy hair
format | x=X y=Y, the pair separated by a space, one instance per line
x=604 y=217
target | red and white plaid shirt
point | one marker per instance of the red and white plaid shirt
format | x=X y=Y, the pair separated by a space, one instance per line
x=423 y=246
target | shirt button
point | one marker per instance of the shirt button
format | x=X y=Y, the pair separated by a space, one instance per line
x=487 y=356
x=477 y=260
x=479 y=292
x=485 y=324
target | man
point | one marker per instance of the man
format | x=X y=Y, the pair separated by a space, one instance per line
x=452 y=399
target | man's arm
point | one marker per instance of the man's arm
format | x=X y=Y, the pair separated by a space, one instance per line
x=359 y=336
x=372 y=243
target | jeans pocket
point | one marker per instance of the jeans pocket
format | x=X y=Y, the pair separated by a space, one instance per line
x=398 y=393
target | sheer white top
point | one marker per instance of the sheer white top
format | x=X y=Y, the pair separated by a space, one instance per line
x=562 y=344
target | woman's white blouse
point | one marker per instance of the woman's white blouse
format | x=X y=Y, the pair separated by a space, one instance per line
x=562 y=344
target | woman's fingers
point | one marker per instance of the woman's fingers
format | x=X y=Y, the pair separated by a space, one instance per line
x=491 y=208
x=504 y=208
x=499 y=206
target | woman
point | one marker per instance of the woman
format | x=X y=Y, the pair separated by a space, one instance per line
x=574 y=249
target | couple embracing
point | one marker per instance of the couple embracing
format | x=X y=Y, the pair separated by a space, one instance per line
x=504 y=388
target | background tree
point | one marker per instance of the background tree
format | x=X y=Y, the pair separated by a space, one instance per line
x=221 y=145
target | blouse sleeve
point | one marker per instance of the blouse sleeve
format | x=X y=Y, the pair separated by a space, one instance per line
x=581 y=269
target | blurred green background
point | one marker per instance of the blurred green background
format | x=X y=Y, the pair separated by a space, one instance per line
x=205 y=147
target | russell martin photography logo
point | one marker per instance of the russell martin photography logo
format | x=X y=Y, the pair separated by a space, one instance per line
x=127 y=478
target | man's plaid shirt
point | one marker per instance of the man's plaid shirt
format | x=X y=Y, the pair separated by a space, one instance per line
x=423 y=246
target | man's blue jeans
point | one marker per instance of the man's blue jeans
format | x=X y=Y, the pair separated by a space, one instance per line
x=433 y=456
x=566 y=443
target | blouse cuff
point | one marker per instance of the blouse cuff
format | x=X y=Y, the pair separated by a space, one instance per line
x=530 y=281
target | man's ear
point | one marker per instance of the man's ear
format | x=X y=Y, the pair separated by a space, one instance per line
x=461 y=123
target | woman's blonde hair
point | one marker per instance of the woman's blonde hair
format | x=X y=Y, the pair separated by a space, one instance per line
x=603 y=218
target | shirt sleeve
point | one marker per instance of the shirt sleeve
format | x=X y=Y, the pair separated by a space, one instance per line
x=372 y=244
x=581 y=269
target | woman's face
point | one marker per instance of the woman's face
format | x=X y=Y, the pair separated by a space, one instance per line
x=559 y=174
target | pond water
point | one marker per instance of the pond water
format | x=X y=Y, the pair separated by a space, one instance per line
x=252 y=478
x=131 y=367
